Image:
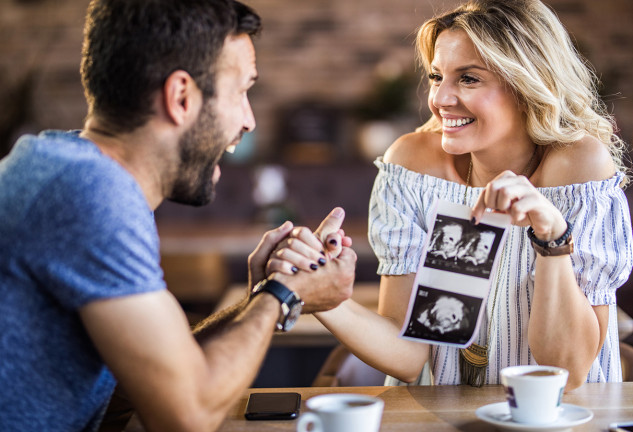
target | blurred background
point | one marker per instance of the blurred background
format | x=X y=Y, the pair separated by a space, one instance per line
x=338 y=83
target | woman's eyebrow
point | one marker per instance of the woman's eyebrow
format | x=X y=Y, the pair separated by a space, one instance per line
x=464 y=68
x=471 y=66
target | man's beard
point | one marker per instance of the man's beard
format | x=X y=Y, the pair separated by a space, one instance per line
x=200 y=148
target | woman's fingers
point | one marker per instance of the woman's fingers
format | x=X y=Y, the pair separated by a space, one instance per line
x=306 y=236
x=516 y=196
x=301 y=250
x=521 y=208
x=305 y=250
x=334 y=244
x=300 y=255
x=275 y=265
x=331 y=224
x=501 y=194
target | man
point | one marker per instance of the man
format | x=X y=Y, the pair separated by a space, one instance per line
x=82 y=297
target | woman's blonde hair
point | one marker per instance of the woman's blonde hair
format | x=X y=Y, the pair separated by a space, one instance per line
x=525 y=43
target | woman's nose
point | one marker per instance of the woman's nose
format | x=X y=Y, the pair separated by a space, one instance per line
x=444 y=96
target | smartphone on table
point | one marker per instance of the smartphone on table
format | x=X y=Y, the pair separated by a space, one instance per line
x=273 y=406
x=621 y=427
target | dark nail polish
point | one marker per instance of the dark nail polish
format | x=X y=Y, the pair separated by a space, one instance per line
x=323 y=253
x=333 y=242
x=473 y=220
x=322 y=261
x=294 y=269
x=313 y=266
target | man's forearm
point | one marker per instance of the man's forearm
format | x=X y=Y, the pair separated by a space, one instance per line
x=214 y=322
x=235 y=342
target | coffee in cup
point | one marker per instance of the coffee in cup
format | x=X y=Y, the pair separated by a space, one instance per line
x=342 y=412
x=545 y=372
x=534 y=393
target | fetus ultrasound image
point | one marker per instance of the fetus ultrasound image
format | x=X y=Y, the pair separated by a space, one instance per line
x=458 y=246
x=443 y=316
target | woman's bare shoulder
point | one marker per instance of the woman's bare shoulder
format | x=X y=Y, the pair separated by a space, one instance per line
x=416 y=151
x=585 y=160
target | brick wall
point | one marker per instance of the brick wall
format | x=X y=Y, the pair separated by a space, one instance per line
x=320 y=50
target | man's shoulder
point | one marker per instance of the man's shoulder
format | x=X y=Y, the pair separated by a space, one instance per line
x=40 y=159
x=57 y=180
x=62 y=168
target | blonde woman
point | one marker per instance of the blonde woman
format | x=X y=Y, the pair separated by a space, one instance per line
x=516 y=127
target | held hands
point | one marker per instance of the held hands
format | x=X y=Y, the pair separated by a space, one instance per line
x=319 y=266
x=516 y=196
x=305 y=250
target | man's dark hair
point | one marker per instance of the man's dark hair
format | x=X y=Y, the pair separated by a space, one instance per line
x=131 y=47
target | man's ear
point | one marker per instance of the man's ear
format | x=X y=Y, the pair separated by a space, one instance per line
x=181 y=97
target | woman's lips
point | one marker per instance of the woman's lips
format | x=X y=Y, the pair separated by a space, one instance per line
x=456 y=124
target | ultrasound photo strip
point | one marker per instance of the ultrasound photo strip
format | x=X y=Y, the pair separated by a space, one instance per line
x=454 y=277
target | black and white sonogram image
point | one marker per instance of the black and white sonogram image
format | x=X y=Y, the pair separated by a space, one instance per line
x=443 y=316
x=458 y=246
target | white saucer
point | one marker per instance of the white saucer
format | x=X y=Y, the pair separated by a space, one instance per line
x=498 y=414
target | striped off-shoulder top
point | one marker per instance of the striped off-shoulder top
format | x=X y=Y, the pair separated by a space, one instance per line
x=400 y=206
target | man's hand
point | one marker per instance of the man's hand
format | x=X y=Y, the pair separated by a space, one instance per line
x=327 y=287
x=258 y=259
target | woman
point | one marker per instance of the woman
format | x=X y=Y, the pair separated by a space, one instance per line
x=516 y=127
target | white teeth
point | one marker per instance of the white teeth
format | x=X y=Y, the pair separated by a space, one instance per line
x=231 y=149
x=458 y=122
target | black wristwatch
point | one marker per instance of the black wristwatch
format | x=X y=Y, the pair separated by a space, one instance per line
x=291 y=304
x=564 y=245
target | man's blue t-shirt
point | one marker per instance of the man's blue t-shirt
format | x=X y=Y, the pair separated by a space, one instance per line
x=74 y=228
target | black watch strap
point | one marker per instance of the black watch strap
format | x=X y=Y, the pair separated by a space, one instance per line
x=290 y=302
x=564 y=245
x=279 y=290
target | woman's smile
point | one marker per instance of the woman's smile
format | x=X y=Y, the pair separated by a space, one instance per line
x=452 y=124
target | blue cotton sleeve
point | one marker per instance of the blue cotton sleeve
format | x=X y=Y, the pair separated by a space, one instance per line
x=98 y=238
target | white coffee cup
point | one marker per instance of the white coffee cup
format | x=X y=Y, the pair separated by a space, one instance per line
x=534 y=393
x=341 y=412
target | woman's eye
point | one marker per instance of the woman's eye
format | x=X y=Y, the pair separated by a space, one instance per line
x=435 y=77
x=467 y=79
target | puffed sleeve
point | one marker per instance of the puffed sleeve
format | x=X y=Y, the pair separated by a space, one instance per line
x=603 y=256
x=397 y=226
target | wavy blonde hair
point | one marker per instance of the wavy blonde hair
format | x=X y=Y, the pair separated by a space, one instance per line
x=525 y=43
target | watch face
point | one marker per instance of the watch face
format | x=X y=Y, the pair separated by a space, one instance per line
x=257 y=288
x=293 y=316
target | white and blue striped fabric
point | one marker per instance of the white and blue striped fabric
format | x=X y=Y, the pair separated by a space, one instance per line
x=403 y=200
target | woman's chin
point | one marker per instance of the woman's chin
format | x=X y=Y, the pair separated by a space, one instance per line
x=455 y=146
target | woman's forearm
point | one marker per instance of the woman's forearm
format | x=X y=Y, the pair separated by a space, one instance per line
x=564 y=329
x=374 y=339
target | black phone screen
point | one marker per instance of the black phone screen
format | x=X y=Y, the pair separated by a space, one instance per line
x=621 y=427
x=272 y=406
